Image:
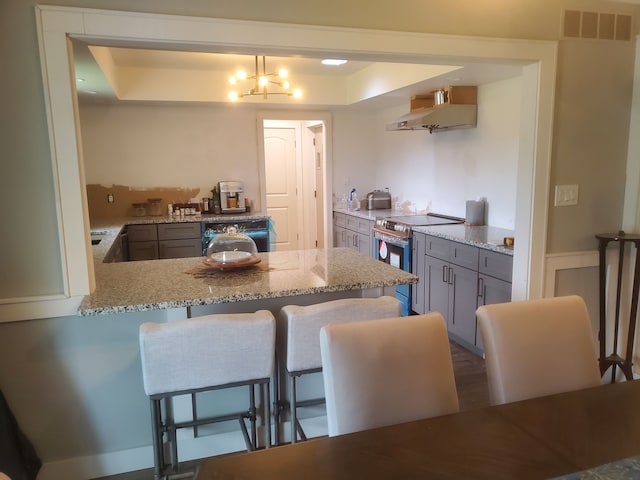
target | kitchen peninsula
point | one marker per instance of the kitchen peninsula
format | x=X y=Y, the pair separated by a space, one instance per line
x=186 y=282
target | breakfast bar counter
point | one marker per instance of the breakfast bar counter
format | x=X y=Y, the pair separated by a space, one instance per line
x=187 y=282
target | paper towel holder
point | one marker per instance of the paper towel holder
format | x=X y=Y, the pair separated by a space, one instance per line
x=475 y=213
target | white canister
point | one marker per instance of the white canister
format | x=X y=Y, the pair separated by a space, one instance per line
x=475 y=213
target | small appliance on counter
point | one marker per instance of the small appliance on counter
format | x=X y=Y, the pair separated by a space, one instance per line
x=475 y=213
x=232 y=197
x=379 y=200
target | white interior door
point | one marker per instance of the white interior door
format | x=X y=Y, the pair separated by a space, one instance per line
x=281 y=178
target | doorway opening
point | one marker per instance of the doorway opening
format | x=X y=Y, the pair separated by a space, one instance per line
x=294 y=159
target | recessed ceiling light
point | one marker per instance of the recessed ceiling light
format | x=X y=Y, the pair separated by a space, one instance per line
x=333 y=61
x=79 y=79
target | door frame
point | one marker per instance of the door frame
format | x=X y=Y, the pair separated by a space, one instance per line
x=327 y=159
x=55 y=25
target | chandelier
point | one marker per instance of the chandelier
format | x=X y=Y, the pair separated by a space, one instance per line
x=261 y=83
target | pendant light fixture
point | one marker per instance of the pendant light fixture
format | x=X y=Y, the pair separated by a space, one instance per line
x=263 y=83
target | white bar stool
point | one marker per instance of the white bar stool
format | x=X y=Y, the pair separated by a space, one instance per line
x=302 y=325
x=202 y=354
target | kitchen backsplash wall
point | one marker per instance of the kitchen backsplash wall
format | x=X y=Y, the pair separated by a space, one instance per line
x=188 y=148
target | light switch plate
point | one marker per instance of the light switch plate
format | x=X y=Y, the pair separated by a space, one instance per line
x=566 y=195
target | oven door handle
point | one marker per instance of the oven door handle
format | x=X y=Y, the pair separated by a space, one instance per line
x=390 y=239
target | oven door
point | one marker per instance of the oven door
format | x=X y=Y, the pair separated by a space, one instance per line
x=395 y=251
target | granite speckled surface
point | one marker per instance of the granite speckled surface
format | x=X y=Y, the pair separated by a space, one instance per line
x=184 y=282
x=490 y=238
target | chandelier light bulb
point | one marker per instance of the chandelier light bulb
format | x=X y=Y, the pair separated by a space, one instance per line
x=263 y=82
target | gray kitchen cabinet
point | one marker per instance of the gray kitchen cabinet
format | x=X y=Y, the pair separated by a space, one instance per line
x=494 y=280
x=339 y=230
x=164 y=240
x=180 y=240
x=353 y=232
x=451 y=282
x=418 y=260
x=143 y=242
x=143 y=250
x=188 y=247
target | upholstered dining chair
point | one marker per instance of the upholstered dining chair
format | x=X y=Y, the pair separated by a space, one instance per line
x=200 y=354
x=537 y=347
x=300 y=326
x=386 y=371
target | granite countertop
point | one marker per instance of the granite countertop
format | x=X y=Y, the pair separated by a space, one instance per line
x=489 y=238
x=184 y=282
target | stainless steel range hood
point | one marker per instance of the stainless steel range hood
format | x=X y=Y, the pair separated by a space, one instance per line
x=438 y=118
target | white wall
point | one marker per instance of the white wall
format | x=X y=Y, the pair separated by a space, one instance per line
x=440 y=171
x=195 y=146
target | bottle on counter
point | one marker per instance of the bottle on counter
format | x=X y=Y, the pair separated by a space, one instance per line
x=354 y=203
x=217 y=208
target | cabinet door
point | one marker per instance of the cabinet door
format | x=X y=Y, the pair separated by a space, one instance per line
x=339 y=219
x=339 y=236
x=363 y=244
x=491 y=290
x=463 y=285
x=436 y=286
x=352 y=239
x=178 y=231
x=143 y=250
x=418 y=269
x=190 y=247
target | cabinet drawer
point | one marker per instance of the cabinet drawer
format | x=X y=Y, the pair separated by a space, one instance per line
x=177 y=231
x=180 y=248
x=496 y=264
x=143 y=250
x=339 y=219
x=360 y=225
x=437 y=247
x=142 y=233
x=464 y=255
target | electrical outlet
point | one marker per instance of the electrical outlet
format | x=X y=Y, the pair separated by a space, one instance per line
x=110 y=198
x=566 y=195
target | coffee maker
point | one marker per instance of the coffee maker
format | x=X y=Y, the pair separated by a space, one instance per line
x=232 y=197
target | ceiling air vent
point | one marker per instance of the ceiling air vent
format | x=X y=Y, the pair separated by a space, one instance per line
x=595 y=25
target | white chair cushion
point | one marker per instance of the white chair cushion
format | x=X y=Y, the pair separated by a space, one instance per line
x=538 y=347
x=303 y=324
x=387 y=371
x=207 y=351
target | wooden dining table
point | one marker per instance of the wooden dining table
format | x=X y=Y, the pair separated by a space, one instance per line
x=539 y=438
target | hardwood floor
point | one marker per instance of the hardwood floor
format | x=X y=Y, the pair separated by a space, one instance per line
x=471 y=382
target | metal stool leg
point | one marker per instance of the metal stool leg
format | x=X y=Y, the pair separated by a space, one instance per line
x=156 y=434
x=293 y=414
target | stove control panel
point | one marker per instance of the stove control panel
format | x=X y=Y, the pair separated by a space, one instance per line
x=394 y=228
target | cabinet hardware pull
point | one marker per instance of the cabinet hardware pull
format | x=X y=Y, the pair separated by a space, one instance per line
x=480 y=287
x=444 y=274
